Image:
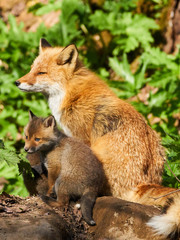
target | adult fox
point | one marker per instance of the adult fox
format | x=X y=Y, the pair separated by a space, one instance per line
x=85 y=108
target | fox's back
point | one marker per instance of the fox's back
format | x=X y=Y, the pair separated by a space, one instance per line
x=129 y=149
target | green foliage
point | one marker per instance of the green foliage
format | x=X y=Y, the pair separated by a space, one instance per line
x=163 y=74
x=172 y=144
x=129 y=31
x=69 y=22
x=18 y=49
x=41 y=9
x=132 y=82
x=165 y=102
x=12 y=165
x=131 y=39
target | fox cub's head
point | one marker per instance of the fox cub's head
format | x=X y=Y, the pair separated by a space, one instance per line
x=51 y=70
x=40 y=133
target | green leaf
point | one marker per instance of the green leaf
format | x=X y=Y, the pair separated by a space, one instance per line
x=15 y=183
x=157 y=99
x=9 y=156
x=122 y=69
x=44 y=9
x=140 y=75
x=156 y=57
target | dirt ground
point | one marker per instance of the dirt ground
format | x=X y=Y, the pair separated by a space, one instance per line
x=31 y=218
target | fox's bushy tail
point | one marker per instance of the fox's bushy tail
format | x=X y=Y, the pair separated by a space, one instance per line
x=168 y=222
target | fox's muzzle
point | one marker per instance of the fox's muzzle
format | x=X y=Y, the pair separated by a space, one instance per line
x=30 y=150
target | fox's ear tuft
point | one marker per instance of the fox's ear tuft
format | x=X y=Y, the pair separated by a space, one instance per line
x=50 y=122
x=43 y=44
x=68 y=55
x=31 y=115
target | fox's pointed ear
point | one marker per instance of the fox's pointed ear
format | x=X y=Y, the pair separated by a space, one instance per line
x=68 y=55
x=49 y=122
x=43 y=44
x=31 y=115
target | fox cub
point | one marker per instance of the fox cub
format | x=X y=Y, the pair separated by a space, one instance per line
x=73 y=170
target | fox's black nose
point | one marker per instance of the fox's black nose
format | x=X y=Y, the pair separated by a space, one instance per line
x=17 y=83
x=26 y=149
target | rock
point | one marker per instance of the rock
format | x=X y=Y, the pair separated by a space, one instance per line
x=30 y=219
x=117 y=219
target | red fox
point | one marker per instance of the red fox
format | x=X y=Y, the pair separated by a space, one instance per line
x=73 y=170
x=85 y=108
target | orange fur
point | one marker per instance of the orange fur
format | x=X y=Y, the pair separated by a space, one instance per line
x=87 y=109
x=150 y=194
x=129 y=149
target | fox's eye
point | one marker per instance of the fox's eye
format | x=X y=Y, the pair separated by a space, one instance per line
x=41 y=73
x=37 y=139
x=26 y=137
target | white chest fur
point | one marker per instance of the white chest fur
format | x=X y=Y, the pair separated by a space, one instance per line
x=55 y=101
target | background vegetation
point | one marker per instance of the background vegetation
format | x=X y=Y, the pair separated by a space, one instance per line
x=117 y=40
